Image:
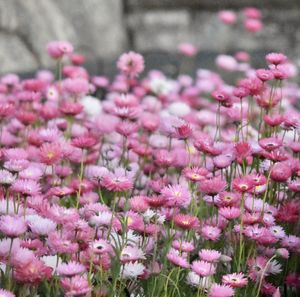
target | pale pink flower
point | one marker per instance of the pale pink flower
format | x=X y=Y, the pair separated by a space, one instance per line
x=131 y=64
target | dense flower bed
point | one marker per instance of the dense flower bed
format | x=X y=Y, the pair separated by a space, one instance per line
x=168 y=187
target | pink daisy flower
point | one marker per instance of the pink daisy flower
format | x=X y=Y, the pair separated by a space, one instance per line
x=70 y=269
x=12 y=226
x=217 y=290
x=131 y=64
x=235 y=280
x=212 y=186
x=117 y=181
x=179 y=260
x=186 y=221
x=26 y=187
x=209 y=255
x=203 y=268
x=75 y=286
x=50 y=153
x=176 y=195
x=230 y=213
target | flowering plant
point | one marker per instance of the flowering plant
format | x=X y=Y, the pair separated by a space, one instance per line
x=168 y=187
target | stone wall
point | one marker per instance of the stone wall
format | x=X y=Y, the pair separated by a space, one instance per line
x=102 y=29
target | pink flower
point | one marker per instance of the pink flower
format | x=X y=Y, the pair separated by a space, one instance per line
x=195 y=173
x=203 y=268
x=212 y=186
x=174 y=257
x=5 y=293
x=227 y=17
x=281 y=172
x=211 y=233
x=253 y=25
x=131 y=64
x=57 y=49
x=130 y=253
x=183 y=246
x=235 y=280
x=76 y=86
x=217 y=290
x=187 y=49
x=117 y=181
x=176 y=195
x=230 y=213
x=75 y=286
x=26 y=187
x=227 y=63
x=50 y=153
x=33 y=273
x=71 y=108
x=85 y=141
x=12 y=226
x=185 y=221
x=209 y=255
x=252 y=12
x=276 y=58
x=70 y=269
x=243 y=184
x=264 y=74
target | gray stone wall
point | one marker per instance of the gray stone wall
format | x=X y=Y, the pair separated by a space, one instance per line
x=102 y=29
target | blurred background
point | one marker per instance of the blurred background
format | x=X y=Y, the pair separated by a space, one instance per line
x=102 y=29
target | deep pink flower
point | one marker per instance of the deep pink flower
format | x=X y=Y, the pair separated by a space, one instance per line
x=243 y=184
x=281 y=172
x=185 y=221
x=84 y=141
x=71 y=108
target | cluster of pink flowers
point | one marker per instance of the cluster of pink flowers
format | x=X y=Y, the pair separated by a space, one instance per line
x=165 y=187
x=251 y=18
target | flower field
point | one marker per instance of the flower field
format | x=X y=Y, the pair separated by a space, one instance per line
x=146 y=185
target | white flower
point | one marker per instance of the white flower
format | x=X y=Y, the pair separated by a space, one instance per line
x=195 y=280
x=102 y=218
x=160 y=86
x=179 y=109
x=148 y=215
x=274 y=267
x=132 y=270
x=91 y=106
